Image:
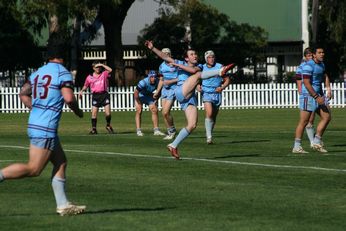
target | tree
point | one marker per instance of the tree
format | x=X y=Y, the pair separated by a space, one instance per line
x=112 y=15
x=332 y=35
x=18 y=49
x=210 y=29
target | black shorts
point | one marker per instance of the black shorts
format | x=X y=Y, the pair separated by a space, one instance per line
x=100 y=99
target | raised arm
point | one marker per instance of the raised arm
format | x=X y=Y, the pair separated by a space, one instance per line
x=159 y=53
x=107 y=68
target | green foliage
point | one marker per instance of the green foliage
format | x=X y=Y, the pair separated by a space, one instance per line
x=210 y=30
x=18 y=49
x=332 y=35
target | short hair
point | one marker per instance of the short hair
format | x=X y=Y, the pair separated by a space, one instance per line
x=95 y=63
x=56 y=47
x=307 y=51
x=315 y=48
x=187 y=50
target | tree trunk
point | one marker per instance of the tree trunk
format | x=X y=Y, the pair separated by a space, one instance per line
x=314 y=26
x=112 y=16
x=75 y=46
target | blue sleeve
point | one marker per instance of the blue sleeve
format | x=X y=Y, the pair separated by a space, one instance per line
x=307 y=69
x=65 y=79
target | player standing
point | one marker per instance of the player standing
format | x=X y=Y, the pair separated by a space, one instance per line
x=168 y=83
x=211 y=93
x=311 y=100
x=98 y=83
x=45 y=93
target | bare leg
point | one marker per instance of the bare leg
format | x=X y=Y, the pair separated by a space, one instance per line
x=154 y=115
x=138 y=117
x=38 y=159
x=166 y=112
x=325 y=119
x=190 y=84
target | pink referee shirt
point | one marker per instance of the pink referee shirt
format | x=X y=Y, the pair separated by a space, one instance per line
x=98 y=84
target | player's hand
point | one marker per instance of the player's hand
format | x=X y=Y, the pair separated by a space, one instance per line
x=329 y=95
x=155 y=96
x=320 y=100
x=149 y=44
x=219 y=89
x=80 y=95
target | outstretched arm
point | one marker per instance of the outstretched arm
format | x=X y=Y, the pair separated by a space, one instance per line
x=159 y=53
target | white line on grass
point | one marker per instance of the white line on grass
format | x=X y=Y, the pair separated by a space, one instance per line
x=194 y=159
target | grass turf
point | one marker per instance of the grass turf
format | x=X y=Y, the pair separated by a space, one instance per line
x=248 y=180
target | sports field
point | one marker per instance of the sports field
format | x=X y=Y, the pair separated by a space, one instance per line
x=247 y=180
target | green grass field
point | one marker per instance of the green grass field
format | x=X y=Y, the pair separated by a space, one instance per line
x=248 y=180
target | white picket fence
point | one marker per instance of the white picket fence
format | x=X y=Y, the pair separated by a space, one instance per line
x=236 y=96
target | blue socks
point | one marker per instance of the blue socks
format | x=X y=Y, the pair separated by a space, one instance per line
x=310 y=131
x=209 y=74
x=58 y=185
x=180 y=137
x=209 y=124
x=317 y=140
x=297 y=143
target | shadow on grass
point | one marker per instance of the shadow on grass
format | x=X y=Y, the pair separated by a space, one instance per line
x=127 y=210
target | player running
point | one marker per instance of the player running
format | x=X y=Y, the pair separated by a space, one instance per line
x=45 y=93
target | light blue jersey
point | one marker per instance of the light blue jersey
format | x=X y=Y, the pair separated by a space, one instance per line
x=209 y=85
x=182 y=76
x=168 y=72
x=146 y=90
x=315 y=72
x=47 y=100
x=299 y=70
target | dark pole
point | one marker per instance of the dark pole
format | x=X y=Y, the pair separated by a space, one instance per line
x=315 y=4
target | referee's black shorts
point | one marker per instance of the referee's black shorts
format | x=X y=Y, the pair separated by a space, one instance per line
x=100 y=99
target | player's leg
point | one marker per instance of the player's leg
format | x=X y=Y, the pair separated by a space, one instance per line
x=94 y=112
x=325 y=115
x=59 y=161
x=138 y=118
x=218 y=72
x=191 y=116
x=168 y=119
x=108 y=116
x=303 y=121
x=209 y=121
x=38 y=158
x=155 y=119
x=310 y=131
